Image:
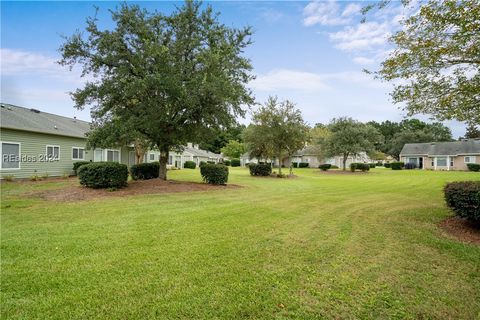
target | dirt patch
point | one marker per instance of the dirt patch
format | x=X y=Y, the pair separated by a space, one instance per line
x=153 y=186
x=461 y=229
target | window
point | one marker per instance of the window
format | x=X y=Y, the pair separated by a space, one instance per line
x=53 y=152
x=469 y=159
x=10 y=155
x=413 y=160
x=433 y=162
x=152 y=156
x=170 y=160
x=451 y=162
x=113 y=155
x=98 y=155
x=78 y=153
x=441 y=161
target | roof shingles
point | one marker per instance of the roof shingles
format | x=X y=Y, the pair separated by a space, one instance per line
x=442 y=148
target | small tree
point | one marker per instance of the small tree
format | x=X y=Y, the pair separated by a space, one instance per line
x=234 y=149
x=169 y=77
x=349 y=137
x=472 y=132
x=278 y=131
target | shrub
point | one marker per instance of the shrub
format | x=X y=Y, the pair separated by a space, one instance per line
x=379 y=164
x=103 y=175
x=325 y=166
x=473 y=167
x=303 y=165
x=8 y=178
x=464 y=199
x=235 y=162
x=397 y=165
x=372 y=165
x=189 y=165
x=202 y=163
x=227 y=162
x=294 y=164
x=214 y=173
x=260 y=169
x=387 y=165
x=210 y=161
x=334 y=167
x=410 y=166
x=78 y=164
x=145 y=171
x=359 y=166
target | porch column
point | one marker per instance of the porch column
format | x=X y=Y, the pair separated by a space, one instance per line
x=448 y=163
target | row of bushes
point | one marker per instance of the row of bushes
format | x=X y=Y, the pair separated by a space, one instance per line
x=103 y=175
x=464 y=199
x=260 y=169
x=359 y=166
x=396 y=165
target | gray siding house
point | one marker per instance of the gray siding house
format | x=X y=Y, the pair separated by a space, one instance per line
x=33 y=142
x=442 y=155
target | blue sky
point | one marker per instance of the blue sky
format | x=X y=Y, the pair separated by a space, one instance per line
x=312 y=53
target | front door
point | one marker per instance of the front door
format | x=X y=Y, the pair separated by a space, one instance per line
x=420 y=163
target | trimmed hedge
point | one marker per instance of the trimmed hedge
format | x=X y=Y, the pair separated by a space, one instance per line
x=397 y=165
x=359 y=166
x=145 y=171
x=294 y=164
x=201 y=163
x=260 y=169
x=189 y=165
x=387 y=165
x=334 y=167
x=410 y=166
x=227 y=162
x=325 y=166
x=78 y=164
x=103 y=175
x=379 y=164
x=473 y=167
x=372 y=165
x=214 y=173
x=235 y=162
x=303 y=165
x=464 y=199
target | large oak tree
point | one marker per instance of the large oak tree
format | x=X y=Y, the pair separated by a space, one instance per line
x=172 y=77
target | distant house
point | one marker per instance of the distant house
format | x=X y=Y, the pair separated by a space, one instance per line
x=33 y=142
x=442 y=155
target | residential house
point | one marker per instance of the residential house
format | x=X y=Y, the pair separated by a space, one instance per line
x=442 y=155
x=33 y=142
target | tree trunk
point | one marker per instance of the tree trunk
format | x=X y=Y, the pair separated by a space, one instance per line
x=279 y=166
x=162 y=174
x=345 y=156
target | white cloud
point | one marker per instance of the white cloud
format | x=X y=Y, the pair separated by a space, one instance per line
x=324 y=13
x=363 y=61
x=24 y=63
x=351 y=10
x=363 y=36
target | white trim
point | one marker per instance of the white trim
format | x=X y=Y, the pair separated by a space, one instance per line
x=83 y=148
x=473 y=159
x=19 y=155
x=53 y=146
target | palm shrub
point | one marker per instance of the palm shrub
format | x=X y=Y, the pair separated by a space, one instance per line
x=397 y=165
x=260 y=169
x=189 y=165
x=103 y=175
x=464 y=199
x=235 y=162
x=214 y=173
x=325 y=166
x=473 y=167
x=78 y=164
x=145 y=171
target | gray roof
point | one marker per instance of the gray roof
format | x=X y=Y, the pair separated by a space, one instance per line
x=442 y=148
x=33 y=120
x=202 y=153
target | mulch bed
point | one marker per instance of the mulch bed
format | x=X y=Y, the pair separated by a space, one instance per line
x=461 y=229
x=153 y=186
x=342 y=172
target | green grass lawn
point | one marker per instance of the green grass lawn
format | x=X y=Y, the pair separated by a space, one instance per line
x=318 y=246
